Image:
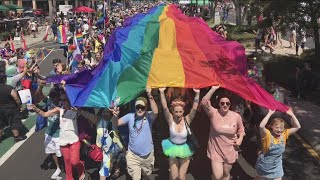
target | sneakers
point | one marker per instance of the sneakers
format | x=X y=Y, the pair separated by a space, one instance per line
x=19 y=138
x=55 y=175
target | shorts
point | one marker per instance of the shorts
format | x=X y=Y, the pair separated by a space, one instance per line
x=10 y=117
x=138 y=166
x=52 y=145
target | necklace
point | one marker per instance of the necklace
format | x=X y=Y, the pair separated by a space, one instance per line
x=141 y=125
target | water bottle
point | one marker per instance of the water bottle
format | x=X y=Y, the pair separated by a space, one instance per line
x=29 y=101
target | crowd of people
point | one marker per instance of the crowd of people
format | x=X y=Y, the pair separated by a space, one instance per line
x=69 y=130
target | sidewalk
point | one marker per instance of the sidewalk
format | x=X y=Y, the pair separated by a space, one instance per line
x=30 y=41
x=284 y=50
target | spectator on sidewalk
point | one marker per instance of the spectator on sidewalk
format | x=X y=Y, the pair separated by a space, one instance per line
x=18 y=29
x=33 y=27
x=292 y=38
x=259 y=34
x=54 y=28
x=140 y=156
x=10 y=106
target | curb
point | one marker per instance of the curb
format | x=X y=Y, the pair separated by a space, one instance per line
x=15 y=147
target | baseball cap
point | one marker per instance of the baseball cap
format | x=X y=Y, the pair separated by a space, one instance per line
x=141 y=101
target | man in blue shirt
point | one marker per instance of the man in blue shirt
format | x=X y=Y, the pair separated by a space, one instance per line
x=140 y=155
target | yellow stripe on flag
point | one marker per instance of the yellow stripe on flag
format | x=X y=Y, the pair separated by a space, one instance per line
x=166 y=68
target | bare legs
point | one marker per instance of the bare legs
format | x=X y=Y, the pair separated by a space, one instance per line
x=220 y=171
x=178 y=168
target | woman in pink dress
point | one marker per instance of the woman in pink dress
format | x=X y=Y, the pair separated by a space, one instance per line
x=226 y=135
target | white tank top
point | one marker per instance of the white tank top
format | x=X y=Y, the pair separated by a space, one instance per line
x=178 y=138
x=68 y=127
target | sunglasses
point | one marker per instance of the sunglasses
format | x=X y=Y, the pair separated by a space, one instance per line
x=225 y=103
x=140 y=107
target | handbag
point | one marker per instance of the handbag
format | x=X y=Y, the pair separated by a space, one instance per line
x=91 y=151
x=191 y=137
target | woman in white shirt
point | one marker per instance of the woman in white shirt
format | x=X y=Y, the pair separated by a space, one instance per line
x=68 y=140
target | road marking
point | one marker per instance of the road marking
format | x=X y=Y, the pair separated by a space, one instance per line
x=15 y=147
x=311 y=151
x=246 y=167
x=48 y=55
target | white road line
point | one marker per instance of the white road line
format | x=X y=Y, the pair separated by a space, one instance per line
x=246 y=167
x=49 y=54
x=16 y=146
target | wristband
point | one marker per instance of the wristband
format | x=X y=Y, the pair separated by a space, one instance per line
x=196 y=100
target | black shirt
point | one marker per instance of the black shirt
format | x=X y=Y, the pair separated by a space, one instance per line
x=54 y=28
x=6 y=100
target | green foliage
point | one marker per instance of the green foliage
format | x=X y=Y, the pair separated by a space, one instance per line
x=282 y=70
x=6 y=35
x=242 y=34
x=243 y=37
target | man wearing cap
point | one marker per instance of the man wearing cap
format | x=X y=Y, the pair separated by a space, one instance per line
x=140 y=154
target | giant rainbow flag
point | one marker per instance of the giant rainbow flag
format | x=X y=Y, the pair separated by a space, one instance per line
x=164 y=48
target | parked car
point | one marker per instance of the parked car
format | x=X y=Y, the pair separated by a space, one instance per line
x=28 y=13
x=40 y=12
x=35 y=12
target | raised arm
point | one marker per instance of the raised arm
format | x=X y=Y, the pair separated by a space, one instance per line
x=294 y=122
x=194 y=108
x=264 y=122
x=116 y=122
x=206 y=99
x=153 y=104
x=49 y=113
x=39 y=94
x=164 y=104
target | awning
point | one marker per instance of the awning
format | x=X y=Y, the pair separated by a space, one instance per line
x=82 y=9
x=3 y=8
x=14 y=7
x=184 y=2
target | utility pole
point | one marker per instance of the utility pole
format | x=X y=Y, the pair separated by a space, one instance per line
x=50 y=9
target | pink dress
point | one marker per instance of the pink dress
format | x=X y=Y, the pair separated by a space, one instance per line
x=223 y=133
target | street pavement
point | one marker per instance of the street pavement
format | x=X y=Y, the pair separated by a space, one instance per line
x=30 y=161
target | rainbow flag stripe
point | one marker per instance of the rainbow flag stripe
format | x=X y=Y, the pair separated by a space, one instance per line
x=164 y=48
x=79 y=37
x=62 y=34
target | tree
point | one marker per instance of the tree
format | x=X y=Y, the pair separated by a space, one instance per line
x=304 y=13
x=239 y=4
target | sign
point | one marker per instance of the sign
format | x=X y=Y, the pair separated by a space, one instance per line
x=65 y=9
x=25 y=96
